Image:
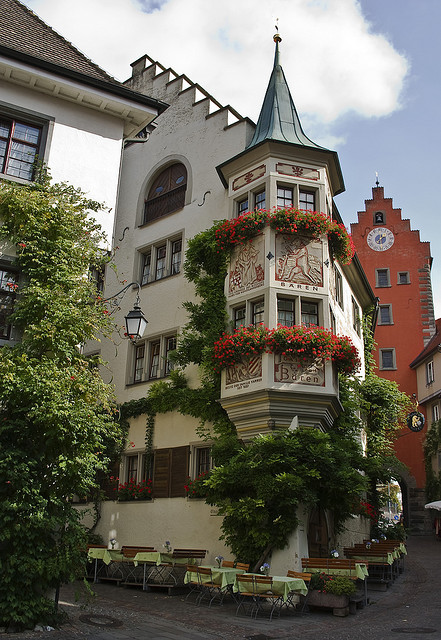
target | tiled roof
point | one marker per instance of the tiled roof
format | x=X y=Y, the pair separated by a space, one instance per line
x=23 y=31
x=433 y=344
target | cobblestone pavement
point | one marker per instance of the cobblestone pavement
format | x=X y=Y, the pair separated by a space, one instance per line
x=409 y=609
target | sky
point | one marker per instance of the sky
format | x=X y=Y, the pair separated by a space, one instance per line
x=364 y=76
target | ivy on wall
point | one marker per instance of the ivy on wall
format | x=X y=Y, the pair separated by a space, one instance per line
x=432 y=446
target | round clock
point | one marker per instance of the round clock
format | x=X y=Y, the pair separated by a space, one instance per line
x=380 y=239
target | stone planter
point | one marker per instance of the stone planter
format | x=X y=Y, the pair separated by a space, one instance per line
x=338 y=604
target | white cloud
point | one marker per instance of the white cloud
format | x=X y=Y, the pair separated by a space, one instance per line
x=333 y=63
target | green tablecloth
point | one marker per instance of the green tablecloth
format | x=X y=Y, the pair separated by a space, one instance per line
x=361 y=571
x=160 y=557
x=387 y=557
x=282 y=586
x=224 y=576
x=106 y=555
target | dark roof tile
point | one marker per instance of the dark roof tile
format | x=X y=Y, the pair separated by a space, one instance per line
x=23 y=31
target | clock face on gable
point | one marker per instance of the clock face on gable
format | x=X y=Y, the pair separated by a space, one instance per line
x=380 y=239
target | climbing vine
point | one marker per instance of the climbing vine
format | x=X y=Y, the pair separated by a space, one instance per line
x=432 y=446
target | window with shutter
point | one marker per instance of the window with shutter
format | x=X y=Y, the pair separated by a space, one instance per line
x=167 y=193
x=170 y=472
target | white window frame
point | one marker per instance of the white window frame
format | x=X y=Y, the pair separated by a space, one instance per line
x=435 y=412
x=430 y=373
x=338 y=287
x=356 y=316
x=152 y=359
x=171 y=266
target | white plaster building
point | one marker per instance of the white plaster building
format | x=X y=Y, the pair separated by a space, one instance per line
x=201 y=162
x=58 y=107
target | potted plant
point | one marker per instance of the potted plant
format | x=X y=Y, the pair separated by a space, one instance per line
x=331 y=592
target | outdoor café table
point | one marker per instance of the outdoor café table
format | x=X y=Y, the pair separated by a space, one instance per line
x=106 y=556
x=282 y=586
x=160 y=563
x=224 y=576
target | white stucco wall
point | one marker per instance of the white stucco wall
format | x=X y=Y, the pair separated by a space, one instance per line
x=83 y=146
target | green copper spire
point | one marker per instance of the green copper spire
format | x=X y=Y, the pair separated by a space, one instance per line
x=278 y=119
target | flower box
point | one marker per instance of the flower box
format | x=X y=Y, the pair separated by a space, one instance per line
x=322 y=600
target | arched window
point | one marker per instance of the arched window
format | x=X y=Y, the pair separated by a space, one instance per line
x=167 y=193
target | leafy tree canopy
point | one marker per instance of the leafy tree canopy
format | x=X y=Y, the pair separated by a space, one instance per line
x=56 y=414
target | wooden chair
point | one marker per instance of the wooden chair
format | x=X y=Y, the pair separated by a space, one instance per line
x=256 y=591
x=303 y=600
x=208 y=588
x=228 y=563
x=241 y=565
x=194 y=582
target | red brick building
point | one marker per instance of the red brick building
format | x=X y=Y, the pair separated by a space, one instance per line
x=398 y=265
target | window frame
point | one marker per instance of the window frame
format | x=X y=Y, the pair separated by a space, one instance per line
x=381 y=322
x=430 y=373
x=236 y=320
x=33 y=119
x=435 y=412
x=290 y=300
x=307 y=192
x=338 y=286
x=8 y=293
x=381 y=353
x=356 y=316
x=378 y=276
x=283 y=201
x=171 y=198
x=255 y=312
x=406 y=274
x=303 y=313
x=150 y=258
x=170 y=472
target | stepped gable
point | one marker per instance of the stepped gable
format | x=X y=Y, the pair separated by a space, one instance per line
x=151 y=78
x=21 y=30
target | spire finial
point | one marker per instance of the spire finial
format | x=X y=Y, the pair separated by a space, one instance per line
x=276 y=37
x=376 y=181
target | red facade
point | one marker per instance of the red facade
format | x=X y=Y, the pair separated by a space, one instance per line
x=397 y=265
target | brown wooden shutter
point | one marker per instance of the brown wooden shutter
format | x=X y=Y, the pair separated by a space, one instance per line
x=170 y=472
x=179 y=471
x=161 y=473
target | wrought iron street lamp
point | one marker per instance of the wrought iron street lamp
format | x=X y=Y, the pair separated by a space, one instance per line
x=135 y=320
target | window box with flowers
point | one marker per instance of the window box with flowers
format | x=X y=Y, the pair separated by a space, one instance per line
x=133 y=490
x=195 y=487
x=287 y=221
x=299 y=341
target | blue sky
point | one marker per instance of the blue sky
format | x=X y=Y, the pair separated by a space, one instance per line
x=364 y=75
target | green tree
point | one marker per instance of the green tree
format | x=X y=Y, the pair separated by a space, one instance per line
x=258 y=487
x=56 y=414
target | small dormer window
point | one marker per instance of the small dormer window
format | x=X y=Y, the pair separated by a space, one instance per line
x=167 y=193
